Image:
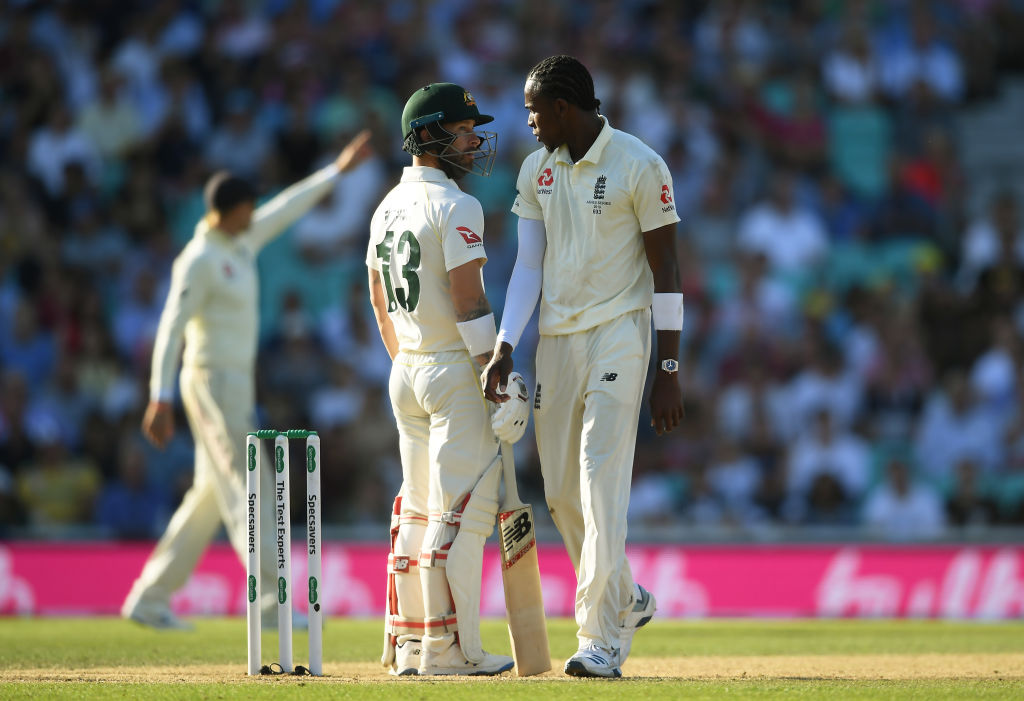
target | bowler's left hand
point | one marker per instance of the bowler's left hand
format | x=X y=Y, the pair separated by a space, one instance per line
x=666 y=402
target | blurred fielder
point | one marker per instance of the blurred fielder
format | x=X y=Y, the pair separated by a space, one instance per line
x=425 y=260
x=212 y=308
x=597 y=245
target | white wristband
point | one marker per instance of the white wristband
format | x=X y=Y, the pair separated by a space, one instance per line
x=668 y=311
x=478 y=334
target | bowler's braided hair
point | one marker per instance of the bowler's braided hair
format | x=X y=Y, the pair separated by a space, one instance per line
x=564 y=77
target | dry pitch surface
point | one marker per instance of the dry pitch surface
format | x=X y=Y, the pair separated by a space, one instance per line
x=99 y=658
x=996 y=666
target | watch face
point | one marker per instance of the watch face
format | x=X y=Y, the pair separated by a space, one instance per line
x=669 y=365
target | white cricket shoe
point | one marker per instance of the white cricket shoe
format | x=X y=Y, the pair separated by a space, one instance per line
x=452 y=661
x=156 y=617
x=639 y=616
x=593 y=661
x=407 y=659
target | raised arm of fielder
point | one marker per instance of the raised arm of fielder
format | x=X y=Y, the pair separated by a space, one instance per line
x=666 y=396
x=190 y=277
x=523 y=292
x=273 y=217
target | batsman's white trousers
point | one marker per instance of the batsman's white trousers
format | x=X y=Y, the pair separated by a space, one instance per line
x=219 y=405
x=444 y=428
x=586 y=403
x=446 y=444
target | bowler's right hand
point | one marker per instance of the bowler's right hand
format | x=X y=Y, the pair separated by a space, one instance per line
x=158 y=423
x=495 y=374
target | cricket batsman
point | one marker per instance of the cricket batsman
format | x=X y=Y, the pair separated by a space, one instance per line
x=424 y=260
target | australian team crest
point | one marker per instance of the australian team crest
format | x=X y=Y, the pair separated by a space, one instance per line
x=468 y=98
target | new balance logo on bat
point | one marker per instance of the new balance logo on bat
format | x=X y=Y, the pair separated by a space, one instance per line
x=609 y=377
x=516 y=531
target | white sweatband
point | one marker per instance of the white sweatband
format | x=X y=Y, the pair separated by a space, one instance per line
x=525 y=283
x=668 y=311
x=478 y=334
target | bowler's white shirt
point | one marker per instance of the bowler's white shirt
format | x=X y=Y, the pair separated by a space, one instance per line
x=595 y=212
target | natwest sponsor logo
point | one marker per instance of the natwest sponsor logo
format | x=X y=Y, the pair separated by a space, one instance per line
x=546 y=178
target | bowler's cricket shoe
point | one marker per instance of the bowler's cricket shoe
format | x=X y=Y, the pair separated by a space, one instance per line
x=407 y=659
x=452 y=661
x=593 y=661
x=639 y=616
x=159 y=618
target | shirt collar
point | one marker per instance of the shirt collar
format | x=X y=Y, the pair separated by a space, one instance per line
x=425 y=174
x=204 y=230
x=593 y=154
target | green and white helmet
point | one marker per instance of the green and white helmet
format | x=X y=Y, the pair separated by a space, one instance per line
x=433 y=105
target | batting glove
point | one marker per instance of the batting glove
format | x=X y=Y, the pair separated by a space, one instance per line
x=509 y=421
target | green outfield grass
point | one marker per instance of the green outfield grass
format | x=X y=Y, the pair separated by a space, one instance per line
x=110 y=658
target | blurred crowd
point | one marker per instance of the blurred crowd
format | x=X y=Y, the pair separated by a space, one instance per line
x=852 y=351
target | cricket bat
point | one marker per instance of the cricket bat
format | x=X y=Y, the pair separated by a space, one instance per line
x=520 y=574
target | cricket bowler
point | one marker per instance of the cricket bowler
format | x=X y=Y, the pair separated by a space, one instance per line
x=597 y=246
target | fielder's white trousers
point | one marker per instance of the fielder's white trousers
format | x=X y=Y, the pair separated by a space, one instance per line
x=219 y=406
x=586 y=403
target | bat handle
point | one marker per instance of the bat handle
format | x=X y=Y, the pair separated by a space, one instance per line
x=508 y=467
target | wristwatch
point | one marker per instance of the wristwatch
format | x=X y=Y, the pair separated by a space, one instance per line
x=670 y=365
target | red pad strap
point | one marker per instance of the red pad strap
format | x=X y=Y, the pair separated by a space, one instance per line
x=415 y=626
x=396 y=625
x=434 y=558
x=442 y=625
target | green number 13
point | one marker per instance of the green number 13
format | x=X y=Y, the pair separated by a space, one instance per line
x=399 y=297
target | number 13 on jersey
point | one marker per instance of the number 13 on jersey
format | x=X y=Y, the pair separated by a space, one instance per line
x=392 y=249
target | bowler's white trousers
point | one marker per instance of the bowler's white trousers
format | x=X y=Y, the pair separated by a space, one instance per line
x=586 y=403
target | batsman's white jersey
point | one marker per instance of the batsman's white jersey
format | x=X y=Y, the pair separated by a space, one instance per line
x=212 y=309
x=425 y=227
x=594 y=349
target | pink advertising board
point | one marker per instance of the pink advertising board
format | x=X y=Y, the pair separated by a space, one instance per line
x=986 y=582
